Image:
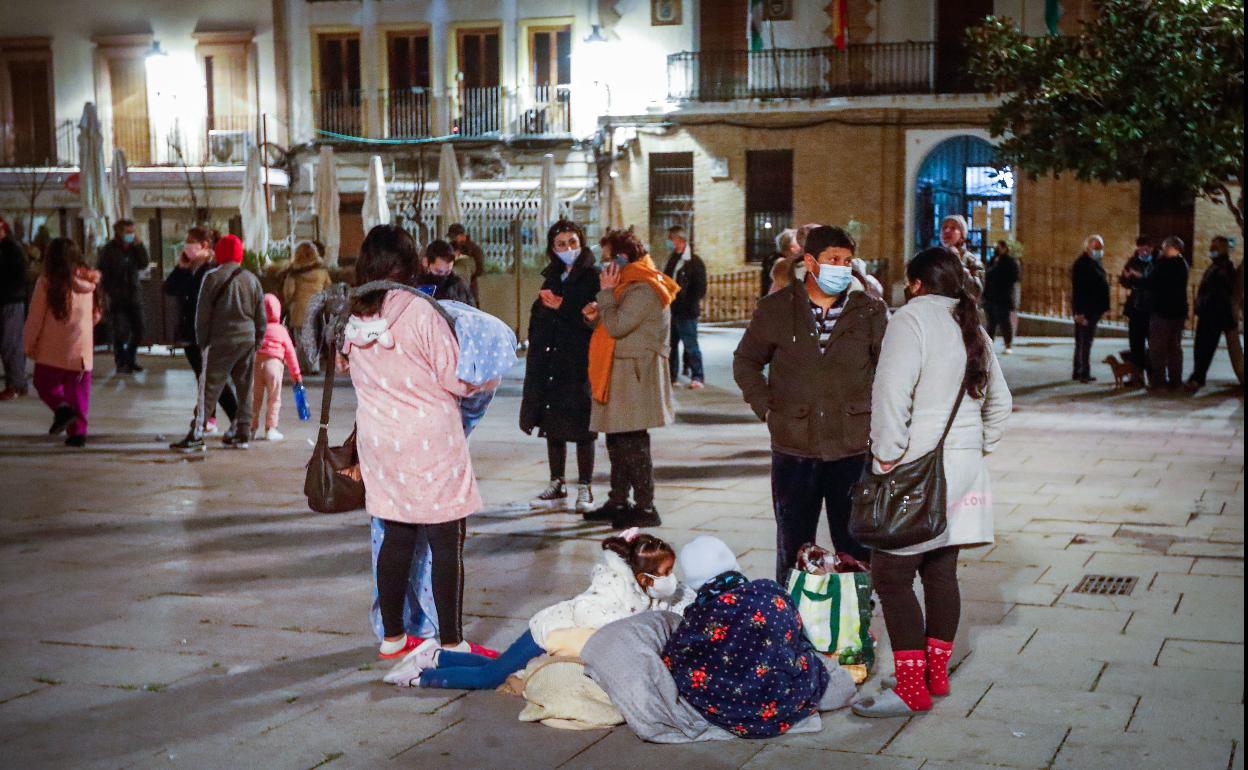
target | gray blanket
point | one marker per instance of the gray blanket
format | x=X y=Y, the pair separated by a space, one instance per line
x=624 y=658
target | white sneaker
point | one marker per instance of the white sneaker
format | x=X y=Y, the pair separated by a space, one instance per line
x=260 y=436
x=1008 y=351
x=407 y=672
x=584 y=498
x=553 y=497
x=275 y=435
x=210 y=428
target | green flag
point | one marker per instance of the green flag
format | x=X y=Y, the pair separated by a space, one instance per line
x=756 y=26
x=1052 y=15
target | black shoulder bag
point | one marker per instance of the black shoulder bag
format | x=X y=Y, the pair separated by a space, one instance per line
x=905 y=506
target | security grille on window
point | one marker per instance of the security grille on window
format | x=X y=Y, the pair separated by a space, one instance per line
x=768 y=200
x=671 y=196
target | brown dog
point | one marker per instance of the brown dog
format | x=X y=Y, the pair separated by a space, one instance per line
x=1125 y=372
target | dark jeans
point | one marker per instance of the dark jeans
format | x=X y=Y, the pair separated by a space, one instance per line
x=1084 y=334
x=465 y=671
x=999 y=318
x=1208 y=334
x=800 y=488
x=1165 y=350
x=195 y=357
x=631 y=468
x=557 y=453
x=685 y=331
x=12 y=352
x=1137 y=334
x=127 y=322
x=394 y=562
x=893 y=577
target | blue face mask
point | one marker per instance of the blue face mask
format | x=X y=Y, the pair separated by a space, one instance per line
x=569 y=256
x=834 y=279
x=1097 y=254
x=127 y=238
x=1146 y=257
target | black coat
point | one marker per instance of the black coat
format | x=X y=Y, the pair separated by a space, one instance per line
x=12 y=271
x=1089 y=295
x=692 y=280
x=1139 y=303
x=1215 y=299
x=120 y=265
x=183 y=285
x=556 y=397
x=999 y=281
x=452 y=287
x=1167 y=285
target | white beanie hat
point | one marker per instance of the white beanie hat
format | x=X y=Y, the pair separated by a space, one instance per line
x=705 y=557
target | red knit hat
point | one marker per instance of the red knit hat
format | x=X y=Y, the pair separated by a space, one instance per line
x=229 y=249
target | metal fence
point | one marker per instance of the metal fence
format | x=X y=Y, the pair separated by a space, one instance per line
x=488 y=222
x=339 y=111
x=856 y=70
x=548 y=112
x=408 y=113
x=479 y=111
x=1046 y=292
x=733 y=296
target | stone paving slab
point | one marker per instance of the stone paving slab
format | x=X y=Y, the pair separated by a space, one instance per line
x=192 y=613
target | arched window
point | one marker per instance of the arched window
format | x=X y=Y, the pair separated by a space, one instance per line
x=961 y=175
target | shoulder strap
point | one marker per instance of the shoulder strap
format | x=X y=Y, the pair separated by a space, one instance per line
x=225 y=285
x=956 y=406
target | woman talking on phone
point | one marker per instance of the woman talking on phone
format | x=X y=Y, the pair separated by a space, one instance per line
x=556 y=380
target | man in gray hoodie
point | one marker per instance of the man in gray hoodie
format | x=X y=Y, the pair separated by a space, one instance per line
x=229 y=325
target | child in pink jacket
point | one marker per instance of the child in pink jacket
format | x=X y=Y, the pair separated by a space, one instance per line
x=276 y=348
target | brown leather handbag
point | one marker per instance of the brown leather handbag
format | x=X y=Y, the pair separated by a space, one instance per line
x=333 y=483
x=905 y=506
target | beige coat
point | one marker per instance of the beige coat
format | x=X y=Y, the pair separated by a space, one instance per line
x=303 y=281
x=641 y=384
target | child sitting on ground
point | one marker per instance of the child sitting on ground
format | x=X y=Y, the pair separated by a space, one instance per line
x=276 y=348
x=635 y=575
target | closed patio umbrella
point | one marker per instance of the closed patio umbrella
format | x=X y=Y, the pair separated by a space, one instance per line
x=252 y=207
x=92 y=177
x=549 y=211
x=449 y=208
x=119 y=181
x=327 y=205
x=376 y=210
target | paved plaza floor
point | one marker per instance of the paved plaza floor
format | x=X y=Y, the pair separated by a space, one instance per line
x=159 y=611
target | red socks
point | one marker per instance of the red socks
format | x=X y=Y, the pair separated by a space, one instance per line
x=911 y=667
x=938 y=654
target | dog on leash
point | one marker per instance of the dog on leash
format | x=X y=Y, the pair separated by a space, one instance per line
x=1125 y=372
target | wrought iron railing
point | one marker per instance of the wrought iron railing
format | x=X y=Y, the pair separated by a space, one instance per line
x=409 y=113
x=1046 y=291
x=57 y=148
x=341 y=112
x=548 y=113
x=856 y=70
x=480 y=110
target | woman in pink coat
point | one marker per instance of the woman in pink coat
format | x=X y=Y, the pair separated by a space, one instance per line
x=59 y=337
x=413 y=454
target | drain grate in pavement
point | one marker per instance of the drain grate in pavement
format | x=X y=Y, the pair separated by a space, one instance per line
x=1106 y=585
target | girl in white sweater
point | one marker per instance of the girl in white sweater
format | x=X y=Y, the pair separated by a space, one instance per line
x=635 y=575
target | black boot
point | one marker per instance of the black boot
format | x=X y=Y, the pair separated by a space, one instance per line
x=638 y=517
x=61 y=419
x=609 y=511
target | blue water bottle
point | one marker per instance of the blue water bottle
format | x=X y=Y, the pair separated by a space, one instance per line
x=301 y=402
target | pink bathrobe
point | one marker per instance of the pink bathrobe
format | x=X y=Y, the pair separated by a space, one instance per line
x=413 y=454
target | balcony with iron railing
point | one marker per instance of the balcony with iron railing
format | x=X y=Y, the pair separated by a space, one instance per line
x=339 y=112
x=56 y=149
x=811 y=73
x=216 y=141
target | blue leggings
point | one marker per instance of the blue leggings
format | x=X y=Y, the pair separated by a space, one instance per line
x=465 y=671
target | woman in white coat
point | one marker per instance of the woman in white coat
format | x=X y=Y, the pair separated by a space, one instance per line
x=935 y=347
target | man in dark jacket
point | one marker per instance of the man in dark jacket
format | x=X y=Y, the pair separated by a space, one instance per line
x=690 y=273
x=439 y=276
x=229 y=324
x=12 y=313
x=1134 y=276
x=821 y=339
x=183 y=284
x=1215 y=309
x=121 y=261
x=1089 y=298
x=1167 y=285
x=1000 y=281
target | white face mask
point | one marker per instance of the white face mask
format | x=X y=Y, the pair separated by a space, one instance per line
x=663 y=587
x=569 y=256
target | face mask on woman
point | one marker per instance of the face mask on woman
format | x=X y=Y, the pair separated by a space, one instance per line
x=569 y=256
x=662 y=588
x=1097 y=254
x=834 y=279
x=191 y=251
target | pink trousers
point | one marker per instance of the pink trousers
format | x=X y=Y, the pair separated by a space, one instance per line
x=63 y=387
x=267 y=386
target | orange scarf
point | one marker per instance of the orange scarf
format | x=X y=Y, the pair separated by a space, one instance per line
x=602 y=344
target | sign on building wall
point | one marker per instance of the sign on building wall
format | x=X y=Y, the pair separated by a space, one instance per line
x=778 y=10
x=665 y=12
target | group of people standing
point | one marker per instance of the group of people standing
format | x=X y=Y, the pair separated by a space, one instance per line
x=1157 y=309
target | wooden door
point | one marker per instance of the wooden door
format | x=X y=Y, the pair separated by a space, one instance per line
x=339 y=99
x=28 y=126
x=953 y=17
x=131 y=130
x=723 y=45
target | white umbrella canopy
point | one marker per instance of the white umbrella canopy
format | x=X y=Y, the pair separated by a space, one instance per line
x=376 y=210
x=119 y=181
x=549 y=211
x=327 y=205
x=92 y=177
x=449 y=208
x=252 y=207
